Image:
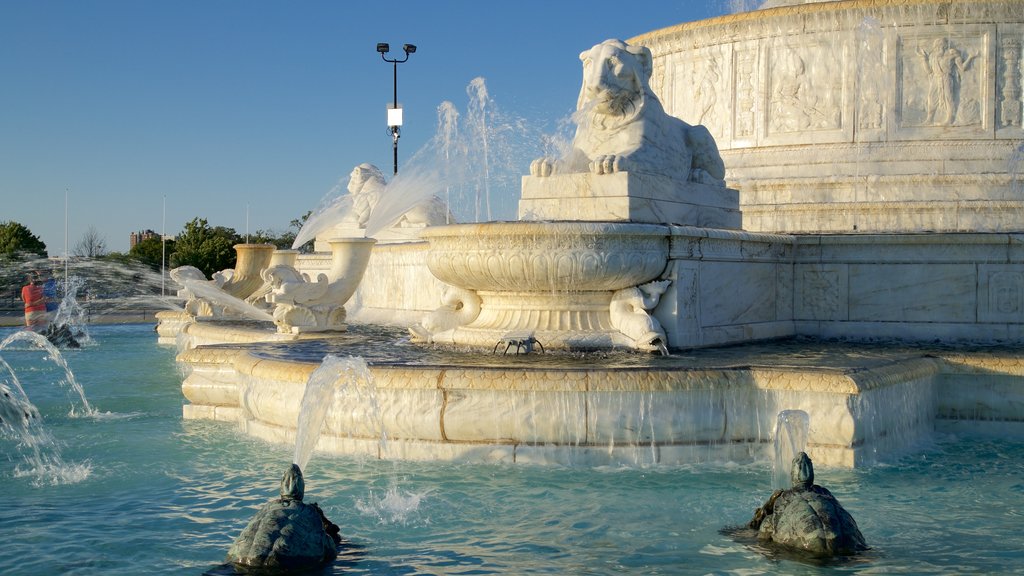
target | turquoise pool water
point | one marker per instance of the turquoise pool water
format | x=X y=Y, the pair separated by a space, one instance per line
x=149 y=493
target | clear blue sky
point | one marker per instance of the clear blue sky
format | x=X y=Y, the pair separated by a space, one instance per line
x=219 y=104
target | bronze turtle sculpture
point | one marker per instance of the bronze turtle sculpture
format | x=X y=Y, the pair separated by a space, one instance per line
x=807 y=518
x=287 y=534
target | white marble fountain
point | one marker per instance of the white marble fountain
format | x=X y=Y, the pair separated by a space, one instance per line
x=863 y=187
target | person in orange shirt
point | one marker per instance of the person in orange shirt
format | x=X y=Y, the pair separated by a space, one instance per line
x=36 y=317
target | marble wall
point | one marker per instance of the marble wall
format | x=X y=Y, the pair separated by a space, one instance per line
x=859 y=115
x=730 y=286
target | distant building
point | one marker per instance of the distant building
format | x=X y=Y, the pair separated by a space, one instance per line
x=137 y=237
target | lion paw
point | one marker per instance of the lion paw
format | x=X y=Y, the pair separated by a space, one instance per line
x=608 y=164
x=542 y=167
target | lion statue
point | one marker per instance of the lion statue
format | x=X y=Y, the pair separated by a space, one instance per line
x=367 y=187
x=622 y=127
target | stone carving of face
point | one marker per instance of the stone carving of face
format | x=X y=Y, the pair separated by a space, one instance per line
x=614 y=77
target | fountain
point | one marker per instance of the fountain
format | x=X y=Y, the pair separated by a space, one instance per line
x=639 y=240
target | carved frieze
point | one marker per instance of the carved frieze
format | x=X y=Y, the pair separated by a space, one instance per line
x=804 y=89
x=1009 y=79
x=872 y=77
x=745 y=80
x=1001 y=295
x=942 y=80
x=820 y=293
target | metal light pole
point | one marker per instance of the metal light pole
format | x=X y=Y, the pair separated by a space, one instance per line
x=395 y=113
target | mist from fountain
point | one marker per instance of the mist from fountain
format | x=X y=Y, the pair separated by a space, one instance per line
x=333 y=207
x=791 y=429
x=335 y=379
x=473 y=162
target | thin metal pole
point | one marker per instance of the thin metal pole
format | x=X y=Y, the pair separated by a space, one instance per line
x=66 y=240
x=163 y=249
x=394 y=104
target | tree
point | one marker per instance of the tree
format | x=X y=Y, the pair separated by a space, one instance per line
x=151 y=252
x=17 y=241
x=92 y=244
x=208 y=249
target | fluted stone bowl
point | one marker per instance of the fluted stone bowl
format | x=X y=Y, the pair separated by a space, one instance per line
x=547 y=256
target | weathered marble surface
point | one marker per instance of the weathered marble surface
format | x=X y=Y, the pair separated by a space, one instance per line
x=306 y=304
x=858 y=116
x=713 y=404
x=629 y=197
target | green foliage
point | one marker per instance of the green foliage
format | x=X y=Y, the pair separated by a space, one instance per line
x=151 y=252
x=17 y=241
x=210 y=249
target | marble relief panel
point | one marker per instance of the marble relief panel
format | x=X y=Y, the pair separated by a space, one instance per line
x=942 y=81
x=701 y=90
x=805 y=93
x=745 y=80
x=1000 y=293
x=872 y=79
x=1009 y=101
x=821 y=292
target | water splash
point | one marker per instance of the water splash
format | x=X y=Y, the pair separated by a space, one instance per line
x=42 y=343
x=333 y=208
x=474 y=162
x=395 y=507
x=334 y=380
x=791 y=430
x=204 y=289
x=71 y=314
x=20 y=419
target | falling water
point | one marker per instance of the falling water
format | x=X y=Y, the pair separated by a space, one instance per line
x=211 y=292
x=332 y=381
x=790 y=439
x=21 y=419
x=333 y=208
x=450 y=145
x=42 y=343
x=478 y=104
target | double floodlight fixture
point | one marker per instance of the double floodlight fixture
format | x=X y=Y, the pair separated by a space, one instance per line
x=395 y=111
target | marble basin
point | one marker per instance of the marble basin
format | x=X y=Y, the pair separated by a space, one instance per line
x=547 y=256
x=553 y=281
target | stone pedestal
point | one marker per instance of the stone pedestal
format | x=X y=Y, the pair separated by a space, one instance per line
x=629 y=197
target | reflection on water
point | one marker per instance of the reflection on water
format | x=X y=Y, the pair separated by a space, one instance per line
x=167 y=496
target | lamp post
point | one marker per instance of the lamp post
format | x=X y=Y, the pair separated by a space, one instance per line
x=394 y=112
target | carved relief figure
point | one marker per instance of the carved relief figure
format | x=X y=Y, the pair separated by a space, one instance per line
x=871 y=76
x=706 y=97
x=945 y=65
x=795 y=105
x=622 y=126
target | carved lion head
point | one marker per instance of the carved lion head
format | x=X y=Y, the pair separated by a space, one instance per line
x=615 y=81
